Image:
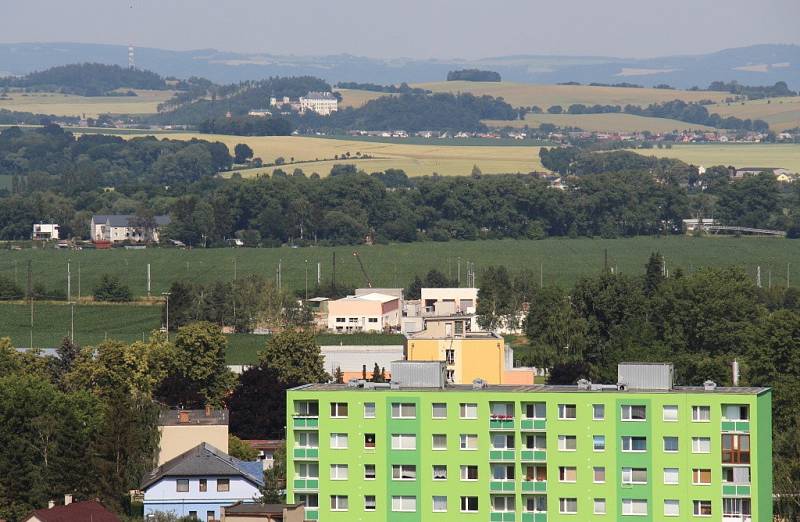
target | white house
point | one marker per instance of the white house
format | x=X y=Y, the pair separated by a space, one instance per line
x=118 y=228
x=199 y=482
x=45 y=231
x=323 y=103
x=448 y=301
x=364 y=313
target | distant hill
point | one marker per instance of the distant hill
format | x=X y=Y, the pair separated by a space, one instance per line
x=86 y=79
x=754 y=65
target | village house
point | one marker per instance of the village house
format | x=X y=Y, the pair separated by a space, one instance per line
x=182 y=430
x=45 y=231
x=241 y=512
x=119 y=228
x=372 y=312
x=86 y=511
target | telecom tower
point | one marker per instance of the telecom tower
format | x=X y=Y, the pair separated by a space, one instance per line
x=131 y=62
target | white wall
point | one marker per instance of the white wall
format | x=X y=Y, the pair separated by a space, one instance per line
x=165 y=489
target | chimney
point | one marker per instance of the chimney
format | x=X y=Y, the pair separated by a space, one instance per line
x=51 y=504
x=67 y=499
x=183 y=417
x=208 y=410
x=735 y=370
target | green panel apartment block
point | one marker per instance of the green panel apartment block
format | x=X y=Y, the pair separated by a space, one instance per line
x=530 y=453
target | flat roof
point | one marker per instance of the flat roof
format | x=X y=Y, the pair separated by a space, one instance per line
x=424 y=334
x=538 y=388
x=376 y=297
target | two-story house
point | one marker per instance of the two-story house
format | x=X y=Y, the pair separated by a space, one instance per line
x=199 y=482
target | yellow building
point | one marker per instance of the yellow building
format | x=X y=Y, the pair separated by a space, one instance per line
x=182 y=430
x=468 y=355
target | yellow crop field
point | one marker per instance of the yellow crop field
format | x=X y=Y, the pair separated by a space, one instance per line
x=739 y=155
x=619 y=122
x=146 y=102
x=317 y=155
x=780 y=113
x=356 y=98
x=522 y=94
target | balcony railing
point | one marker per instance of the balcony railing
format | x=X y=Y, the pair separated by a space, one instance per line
x=533 y=424
x=534 y=486
x=306 y=453
x=501 y=455
x=305 y=422
x=741 y=426
x=502 y=486
x=501 y=422
x=534 y=517
x=309 y=483
x=312 y=513
x=736 y=490
x=530 y=455
x=502 y=516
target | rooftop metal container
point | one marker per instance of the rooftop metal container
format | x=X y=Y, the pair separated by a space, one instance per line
x=645 y=376
x=419 y=374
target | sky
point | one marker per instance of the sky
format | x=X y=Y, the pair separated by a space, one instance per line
x=410 y=28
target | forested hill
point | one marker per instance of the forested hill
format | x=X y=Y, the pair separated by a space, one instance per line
x=86 y=79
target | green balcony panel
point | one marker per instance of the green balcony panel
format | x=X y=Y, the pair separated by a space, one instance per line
x=509 y=516
x=728 y=490
x=501 y=424
x=312 y=453
x=743 y=491
x=312 y=515
x=496 y=517
x=743 y=426
x=495 y=486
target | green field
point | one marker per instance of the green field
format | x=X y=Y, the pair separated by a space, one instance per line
x=146 y=102
x=736 y=154
x=562 y=261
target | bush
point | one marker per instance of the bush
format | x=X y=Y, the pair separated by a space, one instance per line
x=112 y=289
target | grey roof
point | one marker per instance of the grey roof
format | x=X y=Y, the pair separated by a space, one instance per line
x=259 y=509
x=204 y=460
x=172 y=417
x=122 y=220
x=320 y=95
x=540 y=388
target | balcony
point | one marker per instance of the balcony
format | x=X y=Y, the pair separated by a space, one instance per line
x=502 y=486
x=312 y=513
x=308 y=483
x=501 y=455
x=533 y=424
x=502 y=516
x=736 y=490
x=534 y=517
x=533 y=455
x=736 y=518
x=305 y=422
x=501 y=423
x=739 y=426
x=306 y=453
x=534 y=486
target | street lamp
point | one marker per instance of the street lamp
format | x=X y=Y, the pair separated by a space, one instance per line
x=166 y=296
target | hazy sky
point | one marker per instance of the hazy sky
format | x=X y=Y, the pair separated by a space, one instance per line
x=410 y=28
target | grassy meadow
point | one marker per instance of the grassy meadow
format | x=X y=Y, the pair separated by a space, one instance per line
x=146 y=102
x=736 y=154
x=619 y=122
x=780 y=113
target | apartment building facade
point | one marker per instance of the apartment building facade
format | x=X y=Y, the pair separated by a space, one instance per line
x=530 y=453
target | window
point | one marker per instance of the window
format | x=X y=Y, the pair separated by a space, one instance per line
x=223 y=484
x=306 y=408
x=203 y=485
x=599 y=506
x=567 y=443
x=209 y=516
x=736 y=507
x=503 y=503
x=568 y=506
x=339 y=410
x=339 y=472
x=702 y=508
x=439 y=504
x=735 y=449
x=634 y=412
x=567 y=411
x=450 y=356
x=670 y=413
x=536 y=503
x=439 y=472
x=404 y=472
x=634 y=443
x=670 y=475
x=369 y=410
x=338 y=440
x=634 y=475
x=369 y=471
x=599 y=474
x=193 y=514
x=535 y=410
x=598 y=411
x=701 y=413
x=634 y=506
x=672 y=508
x=469 y=472
x=736 y=475
x=338 y=502
x=404 y=410
x=340 y=319
x=567 y=473
x=469 y=504
x=311 y=500
x=369 y=503
x=501 y=409
x=599 y=443
x=701 y=445
x=372 y=319
x=307 y=470
x=671 y=444
x=502 y=441
x=536 y=442
x=468 y=411
x=369 y=440
x=307 y=439
x=440 y=442
x=439 y=410
x=469 y=442
x=502 y=472
x=735 y=412
x=404 y=442
x=182 y=485
x=701 y=476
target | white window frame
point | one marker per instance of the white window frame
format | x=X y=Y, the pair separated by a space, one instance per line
x=335 y=410
x=562 y=474
x=398 y=470
x=697 y=413
x=464 y=472
x=629 y=439
x=433 y=442
x=369 y=406
x=669 y=473
x=340 y=472
x=602 y=410
x=399 y=501
x=534 y=406
x=374 y=471
x=563 y=409
x=626 y=415
x=306 y=470
x=467 y=498
x=373 y=506
x=602 y=440
x=696 y=508
x=399 y=410
x=562 y=442
x=468 y=410
x=670 y=408
x=627 y=476
x=304 y=439
x=672 y=502
x=440 y=498
x=440 y=405
x=337 y=439
x=563 y=505
x=336 y=503
x=696 y=444
x=439 y=467
x=670 y=437
x=602 y=503
x=400 y=442
x=595 y=471
x=629 y=503
x=464 y=442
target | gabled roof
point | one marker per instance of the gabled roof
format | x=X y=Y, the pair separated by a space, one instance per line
x=87 y=511
x=204 y=460
x=122 y=220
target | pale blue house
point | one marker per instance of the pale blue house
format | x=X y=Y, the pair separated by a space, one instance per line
x=200 y=481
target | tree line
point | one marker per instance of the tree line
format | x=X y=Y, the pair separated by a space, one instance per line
x=753 y=92
x=473 y=75
x=403 y=88
x=86 y=79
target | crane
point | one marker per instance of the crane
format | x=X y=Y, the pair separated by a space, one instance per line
x=363 y=270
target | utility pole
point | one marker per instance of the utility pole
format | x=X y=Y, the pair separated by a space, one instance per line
x=30 y=297
x=758 y=276
x=319 y=273
x=69 y=283
x=333 y=275
x=79 y=280
x=279 y=274
x=458 y=273
x=306 y=279
x=148 y=279
x=787 y=276
x=541 y=275
x=72 y=322
x=166 y=296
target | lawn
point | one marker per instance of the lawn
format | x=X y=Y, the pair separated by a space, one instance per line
x=145 y=102
x=613 y=122
x=780 y=113
x=736 y=154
